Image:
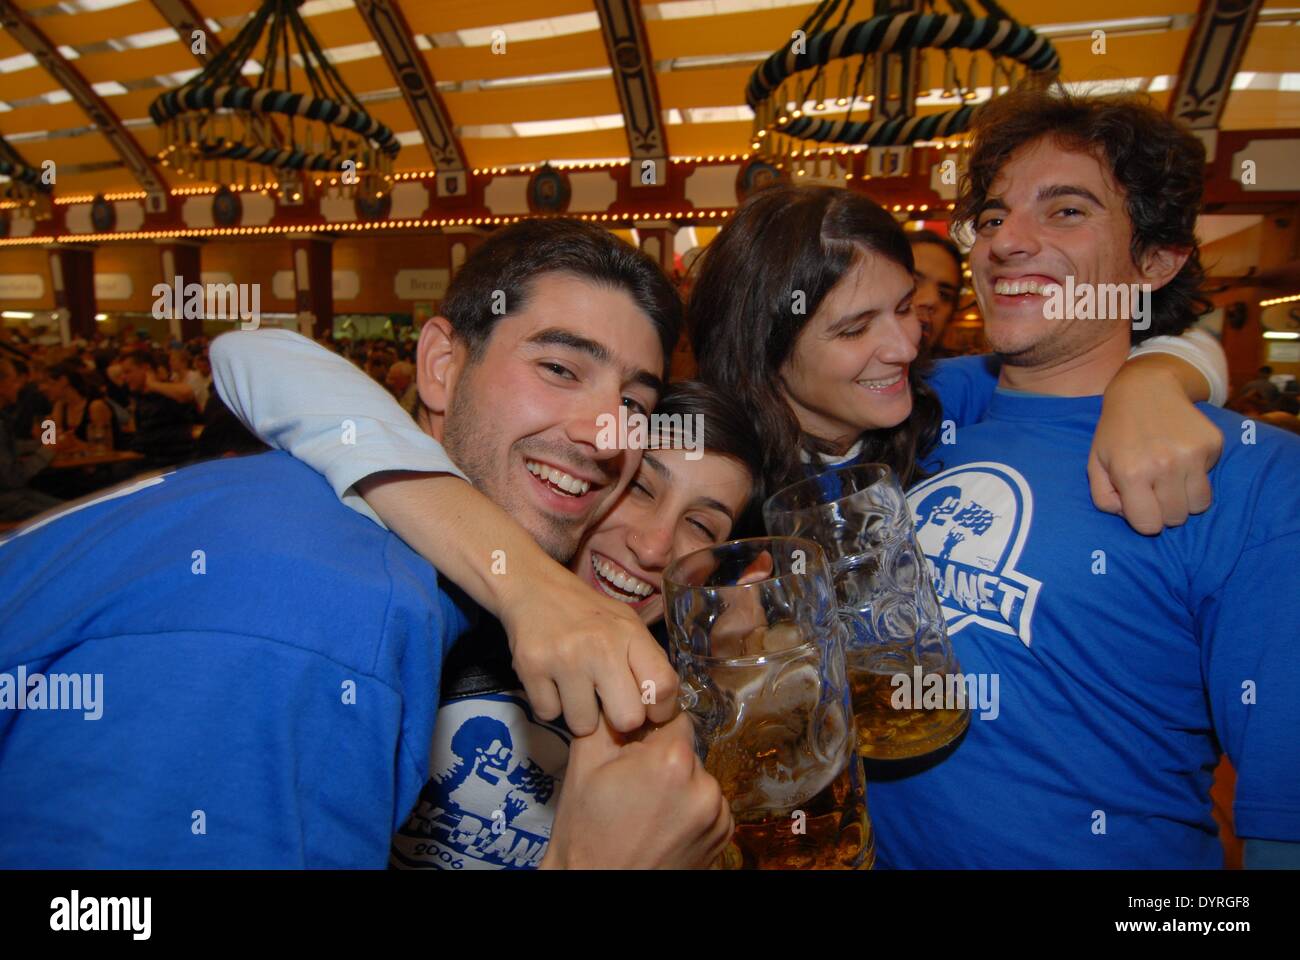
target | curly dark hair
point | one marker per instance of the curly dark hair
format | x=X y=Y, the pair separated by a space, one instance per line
x=1159 y=165
x=781 y=240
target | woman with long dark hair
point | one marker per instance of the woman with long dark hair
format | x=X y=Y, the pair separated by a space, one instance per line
x=79 y=408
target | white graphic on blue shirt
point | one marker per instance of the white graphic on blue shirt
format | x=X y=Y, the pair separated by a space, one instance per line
x=495 y=773
x=971 y=523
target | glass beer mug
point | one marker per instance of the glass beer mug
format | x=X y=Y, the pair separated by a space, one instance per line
x=758 y=649
x=860 y=517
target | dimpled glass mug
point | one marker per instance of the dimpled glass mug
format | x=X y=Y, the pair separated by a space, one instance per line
x=758 y=647
x=860 y=517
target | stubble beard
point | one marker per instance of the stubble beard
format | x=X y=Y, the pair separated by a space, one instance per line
x=470 y=441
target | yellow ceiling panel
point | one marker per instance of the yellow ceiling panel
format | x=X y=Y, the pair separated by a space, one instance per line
x=580 y=51
x=714 y=87
x=553 y=101
x=708 y=139
x=129 y=106
x=360 y=76
x=1147 y=55
x=1075 y=11
x=101 y=181
x=393 y=113
x=22 y=84
x=724 y=33
x=338 y=28
x=1273 y=49
x=9 y=47
x=78 y=29
x=444 y=16
x=491 y=152
x=123 y=65
x=1261 y=110
x=59 y=116
x=216 y=9
x=88 y=148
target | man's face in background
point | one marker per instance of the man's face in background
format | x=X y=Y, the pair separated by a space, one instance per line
x=938 y=285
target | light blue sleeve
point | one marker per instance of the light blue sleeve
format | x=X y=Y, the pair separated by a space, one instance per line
x=299 y=397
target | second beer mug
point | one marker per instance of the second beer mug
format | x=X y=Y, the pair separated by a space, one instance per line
x=860 y=517
x=756 y=643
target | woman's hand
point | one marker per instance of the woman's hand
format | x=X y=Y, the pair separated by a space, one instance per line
x=1153 y=450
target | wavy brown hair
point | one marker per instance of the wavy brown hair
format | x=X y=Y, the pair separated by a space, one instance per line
x=743 y=326
x=1158 y=164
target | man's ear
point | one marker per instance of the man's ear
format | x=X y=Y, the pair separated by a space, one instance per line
x=438 y=358
x=1161 y=264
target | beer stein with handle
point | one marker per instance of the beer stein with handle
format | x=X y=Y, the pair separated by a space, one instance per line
x=758 y=648
x=897 y=643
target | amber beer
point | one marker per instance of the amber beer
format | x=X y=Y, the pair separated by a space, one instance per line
x=888 y=733
x=833 y=834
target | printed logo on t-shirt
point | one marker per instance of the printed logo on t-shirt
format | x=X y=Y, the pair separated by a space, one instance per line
x=971 y=523
x=495 y=773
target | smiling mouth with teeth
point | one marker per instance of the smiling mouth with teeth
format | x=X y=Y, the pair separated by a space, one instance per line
x=1018 y=288
x=558 y=480
x=616 y=582
x=881 y=384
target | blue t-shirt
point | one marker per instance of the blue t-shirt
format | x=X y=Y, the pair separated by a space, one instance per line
x=1125 y=664
x=264 y=663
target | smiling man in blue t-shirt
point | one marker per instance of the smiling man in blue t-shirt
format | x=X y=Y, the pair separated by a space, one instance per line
x=1126 y=664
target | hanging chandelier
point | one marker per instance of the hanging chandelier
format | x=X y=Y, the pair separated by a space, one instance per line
x=269 y=137
x=838 y=84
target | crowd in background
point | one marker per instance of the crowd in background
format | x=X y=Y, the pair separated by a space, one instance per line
x=80 y=417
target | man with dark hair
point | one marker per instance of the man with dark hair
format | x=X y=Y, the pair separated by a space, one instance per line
x=938 y=285
x=164 y=413
x=271 y=659
x=1126 y=664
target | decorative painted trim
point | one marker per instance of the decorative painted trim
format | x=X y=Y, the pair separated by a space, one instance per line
x=1214 y=52
x=634 y=78
x=415 y=80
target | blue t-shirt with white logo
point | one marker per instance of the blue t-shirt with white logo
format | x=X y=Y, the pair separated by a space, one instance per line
x=266 y=664
x=495 y=769
x=1124 y=663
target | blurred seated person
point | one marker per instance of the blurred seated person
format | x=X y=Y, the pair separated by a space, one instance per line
x=1262 y=385
x=78 y=408
x=17 y=500
x=181 y=367
x=164 y=413
x=31 y=405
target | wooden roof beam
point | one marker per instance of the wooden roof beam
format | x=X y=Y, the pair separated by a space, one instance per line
x=638 y=92
x=415 y=80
